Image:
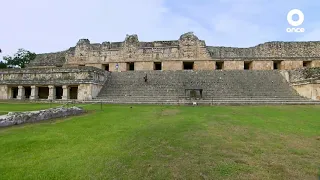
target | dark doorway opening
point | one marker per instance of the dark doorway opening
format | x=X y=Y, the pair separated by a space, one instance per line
x=193 y=93
x=219 y=65
x=157 y=66
x=247 y=65
x=14 y=91
x=59 y=92
x=73 y=92
x=27 y=92
x=43 y=92
x=106 y=67
x=188 y=65
x=130 y=66
x=276 y=64
x=306 y=63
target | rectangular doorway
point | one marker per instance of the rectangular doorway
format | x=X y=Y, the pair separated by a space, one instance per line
x=27 y=92
x=105 y=67
x=130 y=66
x=73 y=92
x=307 y=63
x=59 y=92
x=43 y=92
x=14 y=92
x=188 y=65
x=157 y=66
x=247 y=65
x=219 y=65
x=277 y=65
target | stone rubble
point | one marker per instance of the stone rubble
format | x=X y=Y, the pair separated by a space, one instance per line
x=16 y=118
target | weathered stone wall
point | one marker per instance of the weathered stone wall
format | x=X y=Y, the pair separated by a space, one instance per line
x=233 y=65
x=172 y=65
x=311 y=91
x=100 y=66
x=88 y=91
x=121 y=67
x=288 y=65
x=304 y=74
x=262 y=65
x=143 y=66
x=204 y=65
x=315 y=63
x=61 y=76
x=49 y=59
x=4 y=92
x=16 y=118
x=276 y=49
x=187 y=48
x=306 y=81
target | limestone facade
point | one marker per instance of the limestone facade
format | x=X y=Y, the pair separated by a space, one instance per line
x=80 y=83
x=81 y=71
x=117 y=56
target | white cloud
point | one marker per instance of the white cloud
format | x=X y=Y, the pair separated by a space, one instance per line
x=48 y=26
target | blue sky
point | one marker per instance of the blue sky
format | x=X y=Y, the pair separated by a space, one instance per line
x=54 y=25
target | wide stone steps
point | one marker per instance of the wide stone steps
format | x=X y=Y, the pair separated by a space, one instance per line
x=219 y=87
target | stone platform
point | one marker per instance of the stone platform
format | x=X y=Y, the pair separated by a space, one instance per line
x=202 y=87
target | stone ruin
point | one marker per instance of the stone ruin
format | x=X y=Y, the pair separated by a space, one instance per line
x=84 y=71
x=16 y=118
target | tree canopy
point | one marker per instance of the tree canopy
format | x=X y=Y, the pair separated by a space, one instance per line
x=19 y=59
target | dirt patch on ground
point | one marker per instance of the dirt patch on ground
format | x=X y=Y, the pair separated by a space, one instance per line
x=170 y=112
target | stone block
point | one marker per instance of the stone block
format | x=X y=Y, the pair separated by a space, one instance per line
x=233 y=65
x=172 y=65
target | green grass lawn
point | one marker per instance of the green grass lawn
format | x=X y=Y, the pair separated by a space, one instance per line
x=165 y=142
x=6 y=107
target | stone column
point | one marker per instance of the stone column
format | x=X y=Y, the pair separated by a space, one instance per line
x=52 y=92
x=65 y=95
x=34 y=92
x=21 y=92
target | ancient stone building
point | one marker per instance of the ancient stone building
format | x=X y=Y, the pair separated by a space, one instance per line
x=82 y=71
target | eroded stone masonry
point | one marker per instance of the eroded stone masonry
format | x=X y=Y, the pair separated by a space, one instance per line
x=81 y=71
x=186 y=53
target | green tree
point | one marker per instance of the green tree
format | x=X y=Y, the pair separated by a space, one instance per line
x=21 y=58
x=3 y=65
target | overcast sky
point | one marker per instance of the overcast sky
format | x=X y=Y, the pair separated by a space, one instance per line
x=54 y=25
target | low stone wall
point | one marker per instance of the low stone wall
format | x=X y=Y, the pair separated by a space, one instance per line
x=15 y=118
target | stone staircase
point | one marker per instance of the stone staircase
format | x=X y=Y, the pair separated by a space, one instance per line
x=218 y=87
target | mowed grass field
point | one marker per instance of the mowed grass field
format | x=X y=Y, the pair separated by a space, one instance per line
x=165 y=142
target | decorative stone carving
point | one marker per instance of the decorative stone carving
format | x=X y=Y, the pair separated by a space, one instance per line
x=131 y=45
x=188 y=44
